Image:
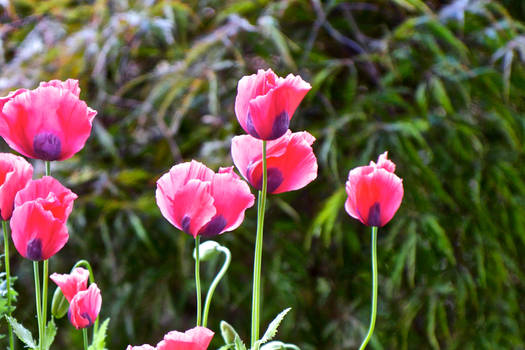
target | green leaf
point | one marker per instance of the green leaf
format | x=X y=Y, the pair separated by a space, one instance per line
x=22 y=333
x=239 y=345
x=442 y=240
x=51 y=331
x=326 y=218
x=441 y=96
x=226 y=347
x=272 y=328
x=140 y=231
x=414 y=5
x=99 y=340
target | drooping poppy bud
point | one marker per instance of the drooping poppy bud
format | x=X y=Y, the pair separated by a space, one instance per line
x=265 y=103
x=374 y=192
x=59 y=304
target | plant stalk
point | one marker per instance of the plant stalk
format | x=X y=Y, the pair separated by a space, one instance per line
x=374 y=290
x=44 y=296
x=38 y=305
x=8 y=281
x=216 y=280
x=198 y=279
x=85 y=336
x=256 y=296
x=48 y=167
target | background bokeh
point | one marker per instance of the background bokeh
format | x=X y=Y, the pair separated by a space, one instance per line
x=439 y=84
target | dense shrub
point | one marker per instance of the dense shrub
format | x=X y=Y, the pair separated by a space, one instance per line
x=441 y=87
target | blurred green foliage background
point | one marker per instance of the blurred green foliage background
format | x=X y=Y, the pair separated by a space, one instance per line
x=440 y=85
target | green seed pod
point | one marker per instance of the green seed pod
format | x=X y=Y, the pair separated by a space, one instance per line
x=59 y=305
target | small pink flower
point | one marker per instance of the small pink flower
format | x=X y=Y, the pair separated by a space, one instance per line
x=71 y=284
x=140 y=347
x=49 y=122
x=85 y=307
x=15 y=172
x=38 y=223
x=197 y=338
x=291 y=163
x=200 y=202
x=265 y=103
x=374 y=192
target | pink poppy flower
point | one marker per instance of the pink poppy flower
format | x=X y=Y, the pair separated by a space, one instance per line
x=265 y=103
x=50 y=194
x=140 y=347
x=291 y=163
x=38 y=223
x=197 y=338
x=198 y=201
x=49 y=122
x=15 y=172
x=374 y=192
x=71 y=284
x=85 y=307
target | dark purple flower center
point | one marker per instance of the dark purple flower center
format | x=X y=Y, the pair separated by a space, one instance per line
x=279 y=127
x=47 y=146
x=34 y=249
x=214 y=227
x=185 y=223
x=86 y=316
x=251 y=128
x=374 y=215
x=275 y=179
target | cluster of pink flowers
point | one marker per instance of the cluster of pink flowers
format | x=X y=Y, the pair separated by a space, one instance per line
x=52 y=123
x=199 y=202
x=84 y=302
x=49 y=123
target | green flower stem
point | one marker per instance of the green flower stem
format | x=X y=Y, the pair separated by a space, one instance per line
x=256 y=296
x=8 y=280
x=216 y=280
x=85 y=336
x=48 y=167
x=198 y=279
x=44 y=275
x=87 y=265
x=38 y=306
x=44 y=297
x=374 y=289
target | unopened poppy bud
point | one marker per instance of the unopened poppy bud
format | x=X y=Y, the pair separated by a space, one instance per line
x=207 y=250
x=228 y=333
x=59 y=305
